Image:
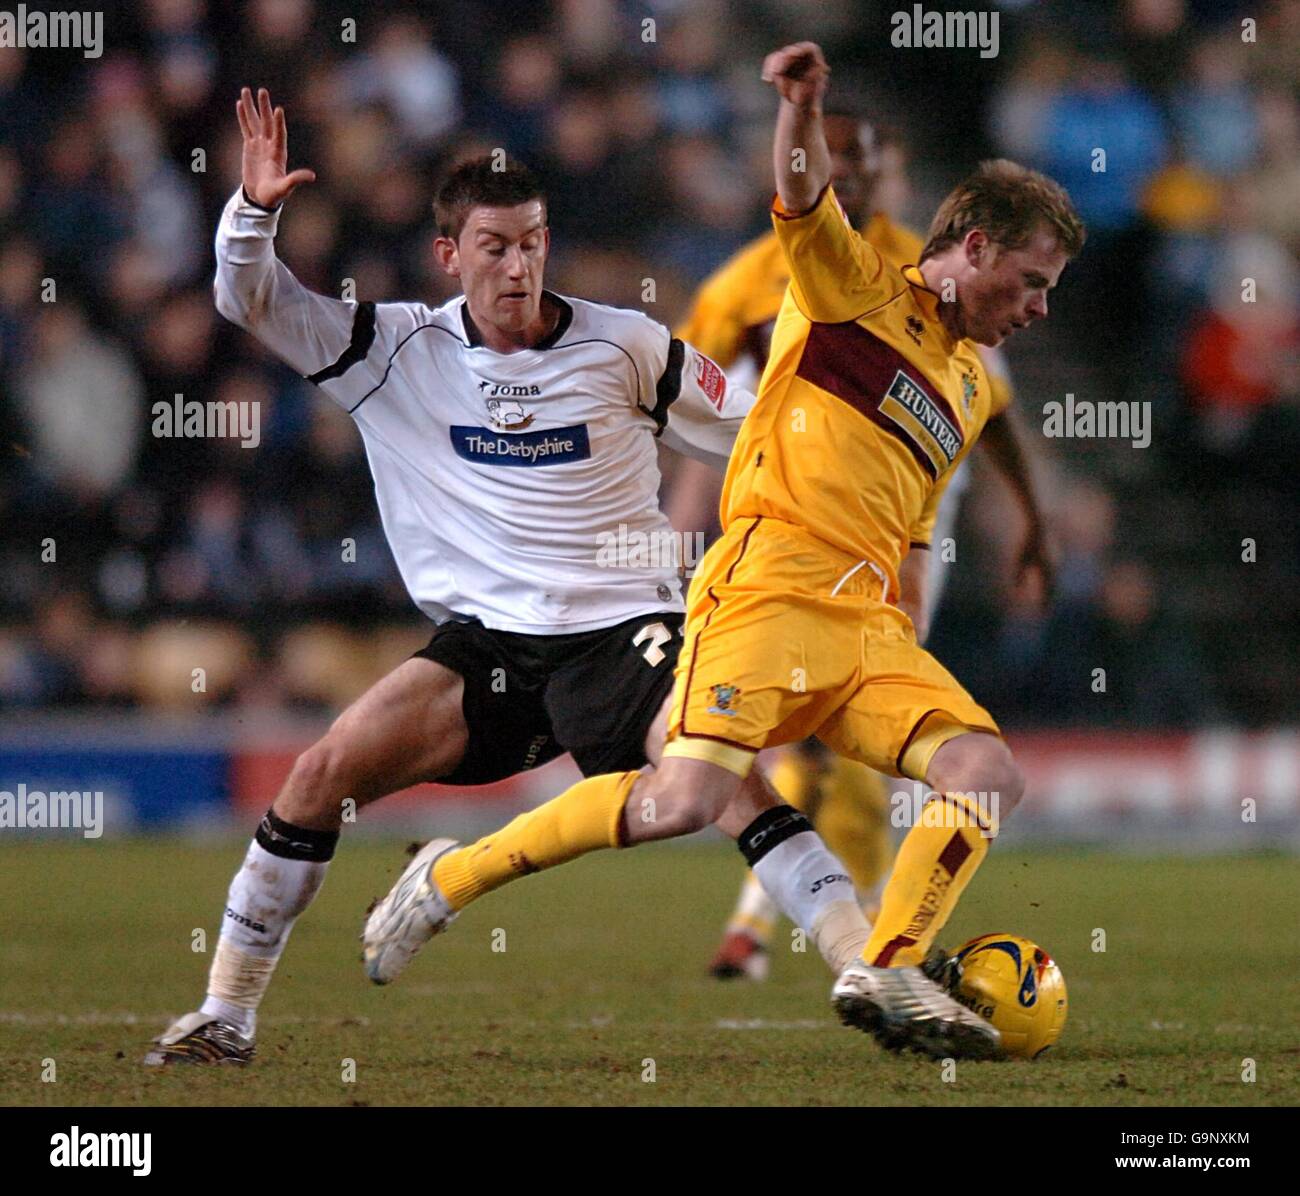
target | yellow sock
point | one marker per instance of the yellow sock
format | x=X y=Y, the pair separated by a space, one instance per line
x=934 y=866
x=585 y=817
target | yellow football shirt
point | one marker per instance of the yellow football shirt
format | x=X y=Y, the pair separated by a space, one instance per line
x=867 y=403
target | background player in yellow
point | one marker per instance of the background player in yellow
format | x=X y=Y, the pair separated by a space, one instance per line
x=873 y=392
x=732 y=317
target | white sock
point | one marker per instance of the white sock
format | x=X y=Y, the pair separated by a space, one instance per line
x=813 y=891
x=265 y=899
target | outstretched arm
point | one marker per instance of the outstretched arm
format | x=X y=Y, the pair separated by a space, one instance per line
x=316 y=335
x=834 y=274
x=254 y=289
x=800 y=158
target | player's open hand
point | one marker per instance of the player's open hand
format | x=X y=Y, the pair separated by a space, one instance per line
x=266 y=151
x=798 y=72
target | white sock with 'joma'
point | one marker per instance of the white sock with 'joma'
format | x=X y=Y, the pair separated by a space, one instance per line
x=808 y=883
x=282 y=871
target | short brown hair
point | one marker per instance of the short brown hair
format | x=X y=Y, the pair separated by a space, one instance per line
x=491 y=181
x=1009 y=202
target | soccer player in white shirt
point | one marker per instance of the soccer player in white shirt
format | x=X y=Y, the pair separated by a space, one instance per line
x=511 y=434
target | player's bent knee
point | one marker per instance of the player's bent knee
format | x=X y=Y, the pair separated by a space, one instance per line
x=686 y=795
x=683 y=813
x=978 y=763
x=1008 y=782
x=1000 y=774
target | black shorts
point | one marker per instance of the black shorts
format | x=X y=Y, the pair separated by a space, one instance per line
x=530 y=698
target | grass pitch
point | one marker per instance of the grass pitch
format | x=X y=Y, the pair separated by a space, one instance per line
x=600 y=994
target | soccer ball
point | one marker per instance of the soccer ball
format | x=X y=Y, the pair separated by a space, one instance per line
x=1014 y=984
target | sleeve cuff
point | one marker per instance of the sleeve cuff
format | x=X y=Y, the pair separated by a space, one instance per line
x=780 y=211
x=252 y=203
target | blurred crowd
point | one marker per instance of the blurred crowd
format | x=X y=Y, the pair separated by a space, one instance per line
x=126 y=556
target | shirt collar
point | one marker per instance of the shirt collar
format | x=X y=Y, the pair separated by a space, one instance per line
x=929 y=301
x=549 y=341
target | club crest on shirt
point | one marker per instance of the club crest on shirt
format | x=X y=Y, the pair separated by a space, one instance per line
x=507 y=415
x=725 y=699
x=969 y=389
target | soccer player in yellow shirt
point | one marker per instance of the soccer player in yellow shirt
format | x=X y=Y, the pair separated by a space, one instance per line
x=734 y=312
x=731 y=319
x=873 y=393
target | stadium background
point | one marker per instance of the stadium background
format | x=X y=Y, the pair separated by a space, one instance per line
x=172 y=554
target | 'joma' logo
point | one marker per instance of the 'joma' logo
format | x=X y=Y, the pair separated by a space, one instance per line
x=251 y=923
x=508 y=390
x=821 y=883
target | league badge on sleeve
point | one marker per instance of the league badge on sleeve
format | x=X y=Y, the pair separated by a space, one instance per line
x=711 y=380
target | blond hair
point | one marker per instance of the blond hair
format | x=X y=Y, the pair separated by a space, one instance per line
x=1009 y=202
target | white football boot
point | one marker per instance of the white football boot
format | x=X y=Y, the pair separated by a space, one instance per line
x=906 y=1010
x=412 y=913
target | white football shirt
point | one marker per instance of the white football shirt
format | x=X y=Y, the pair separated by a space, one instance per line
x=521 y=489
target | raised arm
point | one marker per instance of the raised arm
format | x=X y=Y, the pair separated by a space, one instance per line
x=834 y=274
x=800 y=158
x=332 y=342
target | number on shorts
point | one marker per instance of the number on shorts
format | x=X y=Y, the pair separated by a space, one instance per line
x=658 y=635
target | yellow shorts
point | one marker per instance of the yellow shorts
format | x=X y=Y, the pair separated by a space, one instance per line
x=785 y=638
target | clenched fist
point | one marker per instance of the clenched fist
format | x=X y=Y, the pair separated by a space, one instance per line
x=798 y=72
